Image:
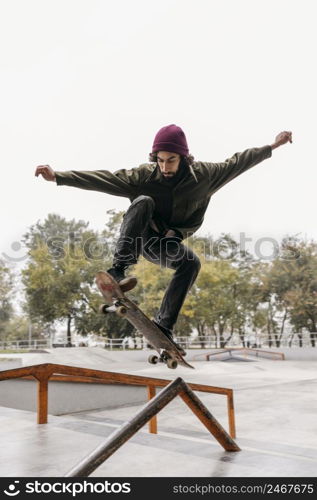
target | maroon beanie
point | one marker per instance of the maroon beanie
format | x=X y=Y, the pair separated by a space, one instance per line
x=171 y=138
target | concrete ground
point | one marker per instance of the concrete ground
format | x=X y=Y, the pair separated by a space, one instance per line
x=275 y=407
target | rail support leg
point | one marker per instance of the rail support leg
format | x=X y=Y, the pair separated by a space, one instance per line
x=153 y=422
x=199 y=409
x=42 y=400
x=232 y=425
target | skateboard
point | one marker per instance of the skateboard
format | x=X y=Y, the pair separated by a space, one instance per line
x=120 y=304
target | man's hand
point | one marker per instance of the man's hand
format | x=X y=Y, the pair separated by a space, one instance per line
x=46 y=172
x=282 y=138
x=170 y=233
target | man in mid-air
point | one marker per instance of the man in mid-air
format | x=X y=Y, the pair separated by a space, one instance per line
x=169 y=197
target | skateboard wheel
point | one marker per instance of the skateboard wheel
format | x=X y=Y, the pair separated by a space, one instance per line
x=121 y=311
x=153 y=359
x=172 y=363
x=103 y=309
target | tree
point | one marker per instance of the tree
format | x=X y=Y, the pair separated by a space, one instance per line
x=59 y=275
x=152 y=283
x=18 y=328
x=210 y=304
x=293 y=281
x=233 y=294
x=6 y=308
x=64 y=257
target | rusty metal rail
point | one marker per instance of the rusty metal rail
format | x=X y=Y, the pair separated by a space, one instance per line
x=46 y=372
x=127 y=430
x=243 y=350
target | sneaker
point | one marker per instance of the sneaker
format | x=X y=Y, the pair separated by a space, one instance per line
x=126 y=283
x=169 y=335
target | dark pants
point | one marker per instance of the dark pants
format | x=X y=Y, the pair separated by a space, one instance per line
x=137 y=237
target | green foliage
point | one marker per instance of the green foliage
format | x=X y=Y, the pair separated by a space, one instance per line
x=6 y=308
x=59 y=275
x=64 y=257
x=19 y=326
x=54 y=228
x=293 y=281
x=152 y=283
x=233 y=294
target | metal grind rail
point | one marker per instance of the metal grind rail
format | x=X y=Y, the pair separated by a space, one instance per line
x=46 y=372
x=243 y=350
x=176 y=388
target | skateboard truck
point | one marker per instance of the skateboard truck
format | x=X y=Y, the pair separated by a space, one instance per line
x=117 y=308
x=163 y=358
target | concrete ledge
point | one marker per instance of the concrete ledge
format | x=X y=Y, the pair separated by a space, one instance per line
x=68 y=397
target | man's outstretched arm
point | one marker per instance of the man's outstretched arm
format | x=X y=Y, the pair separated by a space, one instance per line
x=222 y=173
x=120 y=183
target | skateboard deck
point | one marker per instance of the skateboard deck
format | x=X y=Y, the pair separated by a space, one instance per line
x=120 y=304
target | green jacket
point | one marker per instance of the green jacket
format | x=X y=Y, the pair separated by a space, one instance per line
x=191 y=195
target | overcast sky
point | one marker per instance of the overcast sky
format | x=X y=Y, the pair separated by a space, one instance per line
x=86 y=84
